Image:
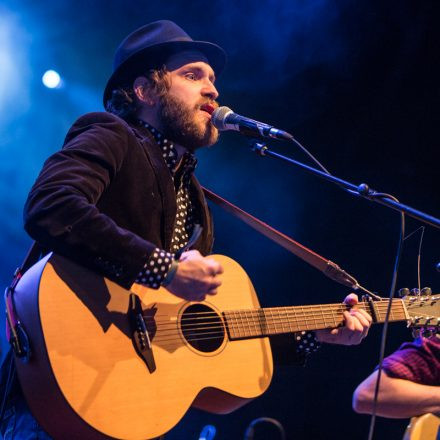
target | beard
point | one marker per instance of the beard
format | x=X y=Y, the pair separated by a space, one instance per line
x=179 y=124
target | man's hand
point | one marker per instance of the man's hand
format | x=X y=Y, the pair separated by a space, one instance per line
x=196 y=277
x=357 y=324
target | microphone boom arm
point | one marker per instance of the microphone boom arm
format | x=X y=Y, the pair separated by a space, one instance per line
x=362 y=190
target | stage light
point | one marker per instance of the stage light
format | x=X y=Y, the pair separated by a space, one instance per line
x=51 y=79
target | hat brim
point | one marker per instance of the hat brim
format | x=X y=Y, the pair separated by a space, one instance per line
x=155 y=56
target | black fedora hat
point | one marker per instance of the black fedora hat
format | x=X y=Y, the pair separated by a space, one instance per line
x=149 y=46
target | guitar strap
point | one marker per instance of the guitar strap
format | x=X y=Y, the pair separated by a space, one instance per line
x=327 y=267
x=15 y=333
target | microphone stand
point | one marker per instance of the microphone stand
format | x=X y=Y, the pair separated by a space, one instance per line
x=362 y=190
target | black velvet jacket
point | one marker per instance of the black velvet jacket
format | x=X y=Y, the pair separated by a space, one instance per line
x=107 y=199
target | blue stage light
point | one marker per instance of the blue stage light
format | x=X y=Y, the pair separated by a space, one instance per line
x=51 y=79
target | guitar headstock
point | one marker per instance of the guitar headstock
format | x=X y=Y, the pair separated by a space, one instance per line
x=423 y=308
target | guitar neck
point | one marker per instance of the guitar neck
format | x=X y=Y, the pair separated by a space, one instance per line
x=245 y=324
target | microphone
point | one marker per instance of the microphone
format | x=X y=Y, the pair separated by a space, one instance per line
x=223 y=118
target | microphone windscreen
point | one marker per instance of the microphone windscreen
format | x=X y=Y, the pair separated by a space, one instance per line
x=218 y=117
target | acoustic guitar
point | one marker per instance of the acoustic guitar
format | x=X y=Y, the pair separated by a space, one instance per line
x=425 y=427
x=108 y=363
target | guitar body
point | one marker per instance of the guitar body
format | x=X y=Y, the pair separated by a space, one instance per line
x=85 y=378
x=424 y=427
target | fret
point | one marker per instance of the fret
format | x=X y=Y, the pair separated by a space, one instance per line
x=276 y=320
x=282 y=319
x=238 y=328
x=275 y=330
x=321 y=308
x=292 y=319
x=299 y=316
x=242 y=329
x=254 y=322
x=310 y=315
x=289 y=318
x=285 y=319
x=262 y=324
x=293 y=322
x=335 y=316
x=393 y=311
x=248 y=331
x=232 y=326
x=244 y=323
x=315 y=322
x=250 y=323
x=301 y=319
x=229 y=325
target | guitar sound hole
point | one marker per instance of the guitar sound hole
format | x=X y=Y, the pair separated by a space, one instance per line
x=202 y=328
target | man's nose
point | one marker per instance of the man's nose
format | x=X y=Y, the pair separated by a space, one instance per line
x=210 y=91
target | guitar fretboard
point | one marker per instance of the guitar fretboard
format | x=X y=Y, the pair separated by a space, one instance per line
x=243 y=324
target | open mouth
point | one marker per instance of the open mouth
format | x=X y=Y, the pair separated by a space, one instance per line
x=208 y=108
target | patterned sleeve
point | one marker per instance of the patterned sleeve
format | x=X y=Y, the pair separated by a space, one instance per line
x=306 y=342
x=417 y=361
x=155 y=269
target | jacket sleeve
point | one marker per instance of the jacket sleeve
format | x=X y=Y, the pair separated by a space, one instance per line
x=61 y=213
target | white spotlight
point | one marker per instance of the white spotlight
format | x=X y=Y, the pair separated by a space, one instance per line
x=51 y=79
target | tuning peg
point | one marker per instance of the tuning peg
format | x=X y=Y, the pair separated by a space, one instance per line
x=415 y=291
x=427 y=291
x=403 y=292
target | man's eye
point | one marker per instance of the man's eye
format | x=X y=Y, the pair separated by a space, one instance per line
x=190 y=76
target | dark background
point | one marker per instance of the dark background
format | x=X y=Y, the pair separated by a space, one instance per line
x=356 y=82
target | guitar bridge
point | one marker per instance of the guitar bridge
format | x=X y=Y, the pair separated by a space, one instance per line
x=140 y=337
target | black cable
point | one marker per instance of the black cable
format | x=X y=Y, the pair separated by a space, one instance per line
x=307 y=152
x=385 y=326
x=392 y=288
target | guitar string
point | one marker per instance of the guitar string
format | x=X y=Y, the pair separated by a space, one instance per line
x=326 y=309
x=240 y=328
x=220 y=331
x=263 y=313
x=251 y=329
x=218 y=328
x=251 y=318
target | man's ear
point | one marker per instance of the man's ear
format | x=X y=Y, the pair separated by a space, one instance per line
x=143 y=91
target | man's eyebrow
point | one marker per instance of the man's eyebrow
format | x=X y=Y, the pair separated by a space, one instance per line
x=199 y=70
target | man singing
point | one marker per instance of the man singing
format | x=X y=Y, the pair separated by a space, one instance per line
x=120 y=197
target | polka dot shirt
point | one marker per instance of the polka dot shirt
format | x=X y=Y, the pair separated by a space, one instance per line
x=156 y=268
x=306 y=342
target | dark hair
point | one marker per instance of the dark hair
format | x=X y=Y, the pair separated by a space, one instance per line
x=124 y=102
